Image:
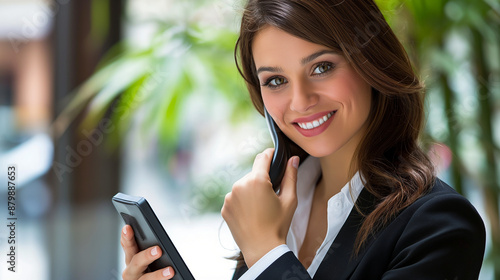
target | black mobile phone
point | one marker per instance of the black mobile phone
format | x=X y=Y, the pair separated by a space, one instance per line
x=281 y=154
x=148 y=232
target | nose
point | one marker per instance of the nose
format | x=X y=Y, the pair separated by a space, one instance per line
x=303 y=97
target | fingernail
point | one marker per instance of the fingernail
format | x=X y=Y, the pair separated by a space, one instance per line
x=295 y=162
x=167 y=272
x=124 y=230
x=154 y=251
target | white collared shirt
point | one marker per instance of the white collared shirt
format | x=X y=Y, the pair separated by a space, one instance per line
x=338 y=209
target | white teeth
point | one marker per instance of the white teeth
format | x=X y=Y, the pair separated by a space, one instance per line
x=316 y=123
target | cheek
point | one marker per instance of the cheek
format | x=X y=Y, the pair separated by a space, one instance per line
x=356 y=94
x=361 y=99
x=275 y=107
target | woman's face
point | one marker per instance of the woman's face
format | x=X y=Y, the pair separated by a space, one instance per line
x=317 y=99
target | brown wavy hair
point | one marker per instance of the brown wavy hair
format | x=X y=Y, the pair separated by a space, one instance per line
x=395 y=169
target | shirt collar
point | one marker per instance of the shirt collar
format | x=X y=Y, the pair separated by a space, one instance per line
x=308 y=175
x=307 y=178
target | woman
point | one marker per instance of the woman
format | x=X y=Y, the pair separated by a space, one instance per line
x=365 y=203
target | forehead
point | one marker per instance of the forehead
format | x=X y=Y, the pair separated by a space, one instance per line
x=273 y=45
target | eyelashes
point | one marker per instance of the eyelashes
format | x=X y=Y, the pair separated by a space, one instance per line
x=323 y=68
x=319 y=69
x=274 y=82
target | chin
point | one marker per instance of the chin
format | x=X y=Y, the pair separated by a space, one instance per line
x=326 y=147
x=317 y=152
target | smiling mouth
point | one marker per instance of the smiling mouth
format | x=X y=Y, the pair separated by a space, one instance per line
x=316 y=123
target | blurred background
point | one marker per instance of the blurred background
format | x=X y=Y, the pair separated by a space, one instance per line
x=143 y=97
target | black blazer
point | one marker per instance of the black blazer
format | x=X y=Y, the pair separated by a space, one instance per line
x=440 y=236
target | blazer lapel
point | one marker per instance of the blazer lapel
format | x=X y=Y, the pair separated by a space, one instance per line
x=339 y=261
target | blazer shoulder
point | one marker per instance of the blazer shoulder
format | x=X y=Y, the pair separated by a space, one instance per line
x=441 y=194
x=440 y=188
x=440 y=211
x=439 y=236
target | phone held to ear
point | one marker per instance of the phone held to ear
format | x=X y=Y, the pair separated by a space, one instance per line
x=282 y=152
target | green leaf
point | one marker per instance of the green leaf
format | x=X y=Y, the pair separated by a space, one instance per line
x=125 y=74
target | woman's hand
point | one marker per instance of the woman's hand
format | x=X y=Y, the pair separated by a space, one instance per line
x=258 y=218
x=137 y=262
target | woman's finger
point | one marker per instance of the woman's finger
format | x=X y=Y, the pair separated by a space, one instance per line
x=262 y=161
x=166 y=273
x=288 y=193
x=128 y=243
x=140 y=261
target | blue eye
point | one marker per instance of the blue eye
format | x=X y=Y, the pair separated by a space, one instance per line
x=275 y=82
x=323 y=68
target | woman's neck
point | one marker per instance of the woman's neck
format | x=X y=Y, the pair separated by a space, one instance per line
x=335 y=171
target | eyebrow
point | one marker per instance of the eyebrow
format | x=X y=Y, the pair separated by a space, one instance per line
x=315 y=55
x=269 y=69
x=303 y=61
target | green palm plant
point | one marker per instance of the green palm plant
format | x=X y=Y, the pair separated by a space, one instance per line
x=181 y=62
